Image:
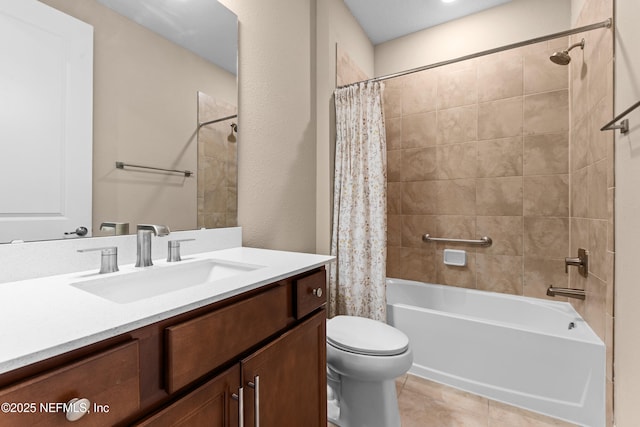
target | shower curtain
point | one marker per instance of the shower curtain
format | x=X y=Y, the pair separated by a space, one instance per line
x=357 y=279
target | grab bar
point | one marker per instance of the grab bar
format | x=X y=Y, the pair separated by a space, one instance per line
x=122 y=165
x=624 y=125
x=483 y=241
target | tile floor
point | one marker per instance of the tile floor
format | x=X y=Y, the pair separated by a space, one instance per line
x=424 y=403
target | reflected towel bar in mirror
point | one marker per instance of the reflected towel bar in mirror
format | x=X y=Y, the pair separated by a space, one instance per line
x=624 y=125
x=122 y=165
x=483 y=241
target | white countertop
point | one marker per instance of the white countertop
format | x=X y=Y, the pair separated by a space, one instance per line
x=45 y=317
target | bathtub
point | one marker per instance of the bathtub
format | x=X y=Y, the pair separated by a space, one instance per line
x=531 y=353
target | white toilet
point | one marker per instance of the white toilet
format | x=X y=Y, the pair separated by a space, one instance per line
x=364 y=357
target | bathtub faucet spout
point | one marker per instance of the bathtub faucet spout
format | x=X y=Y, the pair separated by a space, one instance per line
x=566 y=292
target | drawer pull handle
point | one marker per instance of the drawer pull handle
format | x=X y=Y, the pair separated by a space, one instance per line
x=256 y=402
x=240 y=398
x=77 y=408
x=317 y=292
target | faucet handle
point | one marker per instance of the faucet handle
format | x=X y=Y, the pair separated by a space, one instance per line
x=119 y=228
x=158 y=230
x=173 y=254
x=109 y=262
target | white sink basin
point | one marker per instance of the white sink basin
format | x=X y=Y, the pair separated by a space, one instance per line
x=124 y=288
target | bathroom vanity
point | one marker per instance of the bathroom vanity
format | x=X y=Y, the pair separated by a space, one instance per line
x=242 y=351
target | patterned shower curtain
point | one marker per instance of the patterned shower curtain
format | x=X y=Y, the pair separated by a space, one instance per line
x=357 y=280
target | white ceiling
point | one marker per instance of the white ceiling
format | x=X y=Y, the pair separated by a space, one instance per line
x=205 y=27
x=385 y=20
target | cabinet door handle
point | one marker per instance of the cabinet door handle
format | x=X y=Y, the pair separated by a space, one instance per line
x=77 y=408
x=256 y=401
x=317 y=292
x=240 y=398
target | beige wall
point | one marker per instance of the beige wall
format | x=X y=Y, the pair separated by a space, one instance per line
x=509 y=23
x=335 y=27
x=145 y=112
x=480 y=148
x=277 y=124
x=592 y=175
x=627 y=207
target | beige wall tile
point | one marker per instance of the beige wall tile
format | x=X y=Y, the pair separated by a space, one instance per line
x=419 y=130
x=597 y=177
x=394 y=198
x=499 y=273
x=394 y=230
x=418 y=264
x=539 y=273
x=457 y=124
x=595 y=305
x=546 y=113
x=546 y=154
x=597 y=248
x=500 y=119
x=419 y=198
x=414 y=227
x=505 y=231
x=419 y=164
x=546 y=237
x=463 y=277
x=394 y=165
x=457 y=88
x=500 y=76
x=419 y=92
x=392 y=101
x=394 y=264
x=542 y=75
x=579 y=235
x=579 y=194
x=393 y=128
x=454 y=227
x=500 y=157
x=457 y=161
x=456 y=197
x=579 y=147
x=546 y=195
x=499 y=196
x=599 y=141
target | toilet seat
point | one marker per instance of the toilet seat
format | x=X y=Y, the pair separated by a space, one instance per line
x=365 y=336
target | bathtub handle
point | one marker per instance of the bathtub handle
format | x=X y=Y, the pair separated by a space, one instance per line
x=484 y=241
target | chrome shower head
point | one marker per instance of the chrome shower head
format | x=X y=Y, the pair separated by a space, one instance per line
x=232 y=136
x=563 y=58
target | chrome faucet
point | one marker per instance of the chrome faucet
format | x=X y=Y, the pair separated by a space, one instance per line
x=565 y=292
x=143 y=258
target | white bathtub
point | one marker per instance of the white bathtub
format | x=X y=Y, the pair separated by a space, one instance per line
x=535 y=354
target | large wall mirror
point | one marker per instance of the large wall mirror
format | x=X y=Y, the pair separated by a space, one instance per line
x=160 y=69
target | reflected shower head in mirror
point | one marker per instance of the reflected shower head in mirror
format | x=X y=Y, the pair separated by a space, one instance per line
x=234 y=130
x=563 y=58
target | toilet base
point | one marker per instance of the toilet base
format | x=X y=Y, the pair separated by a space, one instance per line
x=365 y=404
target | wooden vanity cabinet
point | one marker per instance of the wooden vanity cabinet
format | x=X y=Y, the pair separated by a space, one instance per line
x=261 y=355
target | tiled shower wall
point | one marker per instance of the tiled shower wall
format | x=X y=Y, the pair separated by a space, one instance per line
x=592 y=176
x=217 y=165
x=481 y=148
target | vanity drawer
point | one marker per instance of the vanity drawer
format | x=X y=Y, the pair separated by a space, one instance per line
x=198 y=346
x=109 y=380
x=310 y=293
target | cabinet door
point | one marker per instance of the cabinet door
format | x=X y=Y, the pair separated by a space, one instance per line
x=285 y=382
x=210 y=405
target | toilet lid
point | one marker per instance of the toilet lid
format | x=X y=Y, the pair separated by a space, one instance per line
x=365 y=336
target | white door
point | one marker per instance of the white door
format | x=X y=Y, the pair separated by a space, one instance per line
x=46 y=99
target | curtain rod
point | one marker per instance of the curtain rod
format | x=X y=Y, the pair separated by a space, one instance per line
x=604 y=24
